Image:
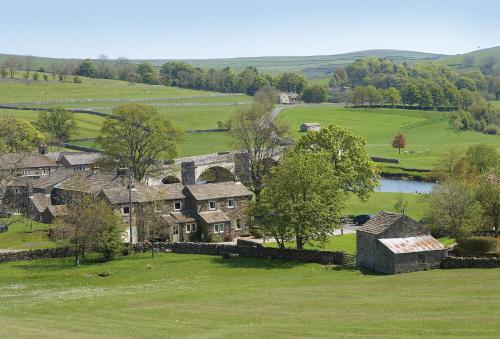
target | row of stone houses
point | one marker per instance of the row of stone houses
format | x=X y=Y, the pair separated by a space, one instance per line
x=180 y=212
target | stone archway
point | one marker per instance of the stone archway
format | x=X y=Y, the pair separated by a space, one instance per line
x=216 y=174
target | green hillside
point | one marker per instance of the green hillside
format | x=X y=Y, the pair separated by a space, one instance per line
x=428 y=134
x=312 y=66
x=458 y=62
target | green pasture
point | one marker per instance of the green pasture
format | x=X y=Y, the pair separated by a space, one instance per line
x=24 y=234
x=176 y=295
x=428 y=134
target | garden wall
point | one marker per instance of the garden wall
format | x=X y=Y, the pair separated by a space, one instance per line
x=46 y=253
x=322 y=257
x=470 y=262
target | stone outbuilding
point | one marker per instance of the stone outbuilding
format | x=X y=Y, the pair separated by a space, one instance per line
x=393 y=243
x=310 y=127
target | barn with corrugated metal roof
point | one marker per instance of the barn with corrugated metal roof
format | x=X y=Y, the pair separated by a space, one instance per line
x=393 y=243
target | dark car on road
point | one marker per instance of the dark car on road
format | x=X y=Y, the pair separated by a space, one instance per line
x=361 y=219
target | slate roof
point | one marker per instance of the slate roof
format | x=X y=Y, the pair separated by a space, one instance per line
x=422 y=243
x=93 y=182
x=213 y=217
x=79 y=158
x=58 y=210
x=52 y=179
x=40 y=201
x=179 y=217
x=119 y=195
x=380 y=222
x=25 y=160
x=218 y=190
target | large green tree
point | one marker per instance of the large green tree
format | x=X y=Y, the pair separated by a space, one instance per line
x=19 y=136
x=302 y=199
x=58 y=123
x=315 y=94
x=138 y=136
x=352 y=166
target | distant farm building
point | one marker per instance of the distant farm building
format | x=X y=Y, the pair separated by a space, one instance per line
x=393 y=243
x=310 y=127
x=288 y=98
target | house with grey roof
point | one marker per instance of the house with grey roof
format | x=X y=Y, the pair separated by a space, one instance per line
x=79 y=161
x=32 y=165
x=394 y=243
x=220 y=208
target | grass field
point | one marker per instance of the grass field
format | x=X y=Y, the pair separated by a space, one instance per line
x=457 y=61
x=383 y=201
x=428 y=134
x=496 y=104
x=175 y=295
x=26 y=234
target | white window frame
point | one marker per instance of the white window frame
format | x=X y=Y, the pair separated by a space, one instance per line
x=180 y=205
x=229 y=205
x=26 y=172
x=157 y=207
x=175 y=230
x=123 y=210
x=238 y=225
x=210 y=207
x=17 y=190
x=219 y=228
x=190 y=227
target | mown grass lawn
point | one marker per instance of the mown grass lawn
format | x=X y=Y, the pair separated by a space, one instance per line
x=175 y=295
x=385 y=201
x=428 y=134
x=26 y=234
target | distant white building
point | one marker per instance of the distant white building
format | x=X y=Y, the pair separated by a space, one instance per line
x=288 y=98
x=310 y=126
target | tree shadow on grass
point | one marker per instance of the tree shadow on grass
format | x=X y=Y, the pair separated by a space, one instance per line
x=262 y=263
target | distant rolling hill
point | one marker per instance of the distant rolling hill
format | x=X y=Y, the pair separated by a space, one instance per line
x=315 y=66
x=458 y=61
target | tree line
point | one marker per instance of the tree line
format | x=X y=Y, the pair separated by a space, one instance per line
x=374 y=81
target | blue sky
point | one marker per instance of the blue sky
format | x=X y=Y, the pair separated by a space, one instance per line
x=215 y=28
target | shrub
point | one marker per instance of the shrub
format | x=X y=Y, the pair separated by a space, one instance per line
x=257 y=232
x=46 y=77
x=36 y=76
x=478 y=244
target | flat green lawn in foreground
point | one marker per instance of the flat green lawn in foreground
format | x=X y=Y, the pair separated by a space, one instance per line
x=428 y=134
x=25 y=234
x=175 y=295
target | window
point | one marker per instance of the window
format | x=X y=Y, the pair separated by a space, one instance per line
x=177 y=206
x=126 y=210
x=17 y=190
x=157 y=208
x=190 y=228
x=44 y=171
x=26 y=172
x=238 y=224
x=218 y=228
x=230 y=203
x=212 y=206
x=175 y=230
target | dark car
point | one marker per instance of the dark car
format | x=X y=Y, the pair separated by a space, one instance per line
x=3 y=228
x=361 y=219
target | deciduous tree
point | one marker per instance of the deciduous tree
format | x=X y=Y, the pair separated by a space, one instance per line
x=59 y=123
x=139 y=137
x=399 y=142
x=19 y=136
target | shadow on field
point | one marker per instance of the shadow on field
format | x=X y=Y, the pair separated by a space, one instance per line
x=267 y=264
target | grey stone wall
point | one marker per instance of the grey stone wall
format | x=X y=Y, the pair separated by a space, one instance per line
x=420 y=261
x=47 y=253
x=322 y=257
x=470 y=262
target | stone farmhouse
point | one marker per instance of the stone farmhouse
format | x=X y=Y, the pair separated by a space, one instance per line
x=288 y=98
x=179 y=212
x=31 y=165
x=393 y=243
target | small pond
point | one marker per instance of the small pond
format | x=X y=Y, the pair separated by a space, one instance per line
x=404 y=186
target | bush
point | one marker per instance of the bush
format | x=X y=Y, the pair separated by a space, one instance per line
x=478 y=244
x=46 y=77
x=257 y=232
x=36 y=76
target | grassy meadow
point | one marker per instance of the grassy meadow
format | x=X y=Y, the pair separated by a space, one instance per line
x=428 y=134
x=176 y=295
x=25 y=234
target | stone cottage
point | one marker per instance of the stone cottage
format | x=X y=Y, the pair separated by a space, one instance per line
x=393 y=243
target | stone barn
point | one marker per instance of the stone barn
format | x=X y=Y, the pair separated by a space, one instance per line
x=310 y=126
x=393 y=243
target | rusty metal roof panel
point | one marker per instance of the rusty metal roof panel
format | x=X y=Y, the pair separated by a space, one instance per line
x=412 y=244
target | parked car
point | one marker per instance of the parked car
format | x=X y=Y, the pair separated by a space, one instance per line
x=361 y=219
x=3 y=228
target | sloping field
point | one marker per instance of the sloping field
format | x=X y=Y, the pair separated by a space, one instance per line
x=428 y=134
